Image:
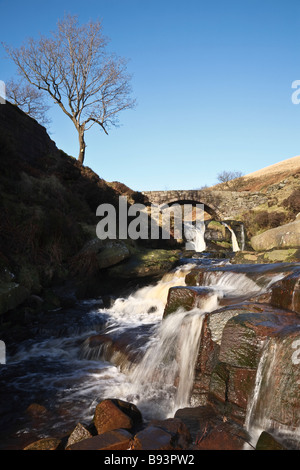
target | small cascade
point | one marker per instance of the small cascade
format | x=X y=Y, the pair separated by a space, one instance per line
x=235 y=245
x=147 y=303
x=195 y=236
x=256 y=417
x=243 y=237
x=231 y=283
x=273 y=405
x=164 y=378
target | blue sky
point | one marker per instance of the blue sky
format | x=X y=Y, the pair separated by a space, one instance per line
x=212 y=82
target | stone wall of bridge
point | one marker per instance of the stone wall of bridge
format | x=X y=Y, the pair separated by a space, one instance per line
x=220 y=204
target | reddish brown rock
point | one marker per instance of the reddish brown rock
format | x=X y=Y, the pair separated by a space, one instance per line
x=113 y=414
x=175 y=427
x=35 y=410
x=212 y=431
x=119 y=439
x=187 y=298
x=286 y=293
x=233 y=377
x=120 y=348
x=153 y=438
x=47 y=443
x=221 y=436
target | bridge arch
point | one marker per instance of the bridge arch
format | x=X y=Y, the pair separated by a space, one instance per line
x=193 y=197
x=210 y=209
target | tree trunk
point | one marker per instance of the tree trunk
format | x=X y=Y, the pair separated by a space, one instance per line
x=81 y=146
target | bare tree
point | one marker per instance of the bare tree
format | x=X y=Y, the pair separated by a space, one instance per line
x=29 y=99
x=228 y=177
x=73 y=66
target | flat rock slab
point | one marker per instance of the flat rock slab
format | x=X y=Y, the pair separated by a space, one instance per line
x=112 y=440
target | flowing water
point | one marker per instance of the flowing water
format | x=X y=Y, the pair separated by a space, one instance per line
x=55 y=367
x=195 y=236
x=234 y=242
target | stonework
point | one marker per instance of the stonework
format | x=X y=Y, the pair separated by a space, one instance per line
x=220 y=204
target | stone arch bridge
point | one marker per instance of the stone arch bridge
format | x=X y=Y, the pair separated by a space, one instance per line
x=219 y=204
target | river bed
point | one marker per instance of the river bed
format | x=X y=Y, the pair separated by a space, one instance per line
x=55 y=369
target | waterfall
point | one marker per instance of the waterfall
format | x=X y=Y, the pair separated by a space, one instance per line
x=147 y=303
x=235 y=245
x=164 y=377
x=195 y=236
x=273 y=405
x=256 y=416
x=243 y=237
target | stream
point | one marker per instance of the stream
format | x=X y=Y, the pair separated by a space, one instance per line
x=68 y=365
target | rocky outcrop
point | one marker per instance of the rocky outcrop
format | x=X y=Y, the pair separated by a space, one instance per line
x=145 y=263
x=286 y=255
x=285 y=236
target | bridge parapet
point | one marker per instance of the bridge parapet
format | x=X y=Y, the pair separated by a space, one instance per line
x=220 y=204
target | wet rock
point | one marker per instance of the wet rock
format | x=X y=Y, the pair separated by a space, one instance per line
x=44 y=444
x=233 y=377
x=278 y=400
x=267 y=442
x=119 y=439
x=35 y=410
x=286 y=293
x=79 y=434
x=209 y=350
x=187 y=298
x=212 y=431
x=196 y=419
x=120 y=348
x=176 y=427
x=153 y=438
x=221 y=436
x=113 y=414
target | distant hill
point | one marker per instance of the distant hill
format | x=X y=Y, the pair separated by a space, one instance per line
x=271 y=174
x=261 y=180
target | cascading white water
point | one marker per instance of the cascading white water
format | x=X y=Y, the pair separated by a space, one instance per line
x=195 y=236
x=255 y=421
x=273 y=405
x=164 y=378
x=235 y=245
x=242 y=237
x=147 y=303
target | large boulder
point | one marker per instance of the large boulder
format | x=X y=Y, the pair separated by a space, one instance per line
x=285 y=236
x=233 y=376
x=145 y=263
x=103 y=253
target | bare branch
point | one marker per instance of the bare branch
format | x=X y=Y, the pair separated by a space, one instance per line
x=73 y=67
x=29 y=99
